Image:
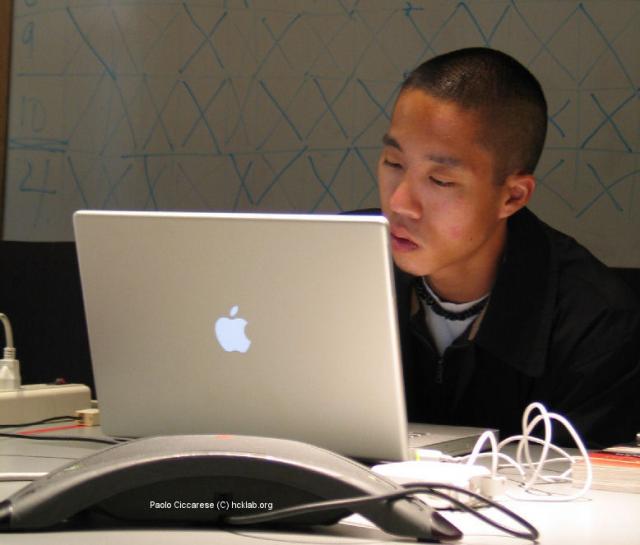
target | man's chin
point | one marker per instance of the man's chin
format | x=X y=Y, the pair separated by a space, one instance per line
x=410 y=265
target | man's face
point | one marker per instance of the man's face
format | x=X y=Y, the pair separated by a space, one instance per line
x=437 y=188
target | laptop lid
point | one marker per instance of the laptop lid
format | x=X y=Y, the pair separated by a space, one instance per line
x=279 y=325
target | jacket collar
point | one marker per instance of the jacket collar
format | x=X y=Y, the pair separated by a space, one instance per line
x=516 y=327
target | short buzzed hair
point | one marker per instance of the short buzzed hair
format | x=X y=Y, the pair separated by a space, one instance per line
x=502 y=91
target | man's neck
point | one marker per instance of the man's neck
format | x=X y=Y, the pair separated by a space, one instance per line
x=475 y=277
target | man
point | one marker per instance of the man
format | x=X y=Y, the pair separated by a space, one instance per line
x=496 y=308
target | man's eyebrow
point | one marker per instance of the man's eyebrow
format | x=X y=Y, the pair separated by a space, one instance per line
x=447 y=160
x=390 y=141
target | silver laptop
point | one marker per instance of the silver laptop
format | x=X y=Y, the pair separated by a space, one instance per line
x=278 y=325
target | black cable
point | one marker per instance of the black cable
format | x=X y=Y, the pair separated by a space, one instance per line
x=532 y=531
x=52 y=420
x=61 y=438
x=45 y=421
x=415 y=488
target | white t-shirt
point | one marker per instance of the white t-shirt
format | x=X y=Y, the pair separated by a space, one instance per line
x=444 y=331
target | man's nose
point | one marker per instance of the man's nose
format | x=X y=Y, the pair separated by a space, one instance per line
x=403 y=200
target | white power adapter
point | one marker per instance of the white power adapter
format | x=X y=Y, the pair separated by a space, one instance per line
x=474 y=478
x=9 y=366
x=9 y=372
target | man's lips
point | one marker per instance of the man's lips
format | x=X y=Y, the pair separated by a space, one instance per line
x=402 y=241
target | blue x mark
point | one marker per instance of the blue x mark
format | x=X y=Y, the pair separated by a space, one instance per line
x=328 y=108
x=606 y=190
x=202 y=114
x=76 y=179
x=542 y=180
x=276 y=41
x=552 y=118
x=283 y=113
x=113 y=185
x=327 y=186
x=207 y=39
x=151 y=184
x=242 y=177
x=159 y=114
x=203 y=201
x=608 y=118
x=372 y=177
x=382 y=108
x=277 y=177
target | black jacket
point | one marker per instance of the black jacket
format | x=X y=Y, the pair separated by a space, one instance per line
x=559 y=328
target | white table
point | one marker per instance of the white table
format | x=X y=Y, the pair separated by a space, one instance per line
x=602 y=518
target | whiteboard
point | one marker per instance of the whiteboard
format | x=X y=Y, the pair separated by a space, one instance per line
x=281 y=105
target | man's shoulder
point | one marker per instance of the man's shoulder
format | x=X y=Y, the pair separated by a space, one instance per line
x=554 y=301
x=581 y=276
x=590 y=311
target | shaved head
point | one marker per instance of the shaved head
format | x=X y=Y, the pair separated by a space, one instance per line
x=507 y=98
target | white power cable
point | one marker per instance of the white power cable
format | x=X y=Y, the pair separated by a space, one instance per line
x=486 y=436
x=8 y=332
x=524 y=462
x=547 y=417
x=564 y=455
x=500 y=456
x=531 y=472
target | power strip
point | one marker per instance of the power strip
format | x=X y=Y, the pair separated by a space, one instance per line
x=35 y=402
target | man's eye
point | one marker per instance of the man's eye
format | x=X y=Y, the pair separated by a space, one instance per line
x=391 y=164
x=440 y=183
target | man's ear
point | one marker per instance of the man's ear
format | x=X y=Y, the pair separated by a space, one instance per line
x=517 y=191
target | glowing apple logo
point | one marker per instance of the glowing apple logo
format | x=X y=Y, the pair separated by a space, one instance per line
x=230 y=332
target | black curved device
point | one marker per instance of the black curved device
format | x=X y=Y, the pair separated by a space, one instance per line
x=211 y=478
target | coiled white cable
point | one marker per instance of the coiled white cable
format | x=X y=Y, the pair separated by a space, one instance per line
x=524 y=462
